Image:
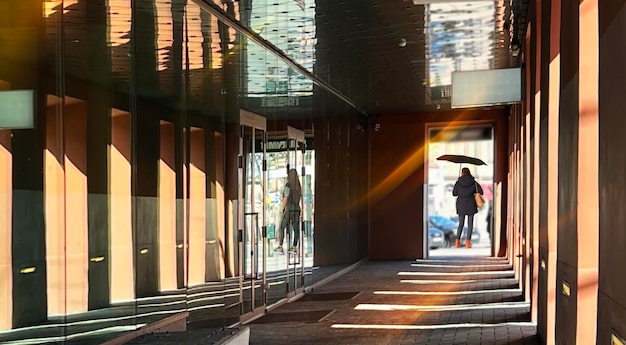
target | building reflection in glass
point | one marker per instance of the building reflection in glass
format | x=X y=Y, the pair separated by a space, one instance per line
x=461 y=38
x=290 y=26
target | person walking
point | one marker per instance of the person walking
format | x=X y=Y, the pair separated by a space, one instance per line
x=292 y=193
x=464 y=189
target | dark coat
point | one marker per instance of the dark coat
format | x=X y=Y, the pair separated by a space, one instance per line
x=464 y=190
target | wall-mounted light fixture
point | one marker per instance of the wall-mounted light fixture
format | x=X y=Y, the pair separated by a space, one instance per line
x=566 y=289
x=27 y=270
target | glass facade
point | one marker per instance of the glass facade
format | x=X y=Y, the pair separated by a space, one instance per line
x=119 y=201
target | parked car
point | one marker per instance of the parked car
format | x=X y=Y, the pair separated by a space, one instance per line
x=446 y=225
x=436 y=238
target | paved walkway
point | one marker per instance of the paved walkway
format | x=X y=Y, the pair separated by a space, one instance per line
x=453 y=299
x=460 y=296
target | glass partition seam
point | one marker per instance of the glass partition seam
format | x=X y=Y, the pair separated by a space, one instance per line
x=60 y=111
x=240 y=220
x=133 y=133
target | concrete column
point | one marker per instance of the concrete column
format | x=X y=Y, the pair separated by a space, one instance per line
x=29 y=238
x=6 y=278
x=167 y=209
x=6 y=261
x=121 y=260
x=145 y=210
x=567 y=181
x=552 y=139
x=145 y=147
x=197 y=208
x=215 y=235
x=588 y=228
x=21 y=65
x=611 y=321
x=54 y=195
x=99 y=109
x=536 y=207
x=76 y=235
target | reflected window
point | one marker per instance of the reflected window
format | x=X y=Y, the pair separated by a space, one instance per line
x=291 y=28
x=461 y=38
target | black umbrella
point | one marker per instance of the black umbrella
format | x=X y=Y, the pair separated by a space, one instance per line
x=461 y=160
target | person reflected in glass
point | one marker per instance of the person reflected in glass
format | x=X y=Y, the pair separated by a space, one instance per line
x=464 y=189
x=292 y=194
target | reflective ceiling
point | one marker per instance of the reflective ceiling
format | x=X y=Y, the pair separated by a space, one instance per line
x=384 y=55
x=380 y=55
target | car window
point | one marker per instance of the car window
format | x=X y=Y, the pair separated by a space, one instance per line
x=440 y=221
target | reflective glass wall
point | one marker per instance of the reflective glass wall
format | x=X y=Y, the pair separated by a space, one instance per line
x=118 y=190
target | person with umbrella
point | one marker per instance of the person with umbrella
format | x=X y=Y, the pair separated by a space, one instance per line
x=464 y=189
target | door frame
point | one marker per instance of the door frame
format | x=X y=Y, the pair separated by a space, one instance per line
x=255 y=122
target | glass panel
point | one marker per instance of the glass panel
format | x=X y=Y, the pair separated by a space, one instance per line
x=308 y=202
x=120 y=208
x=289 y=25
x=302 y=240
x=292 y=214
x=286 y=157
x=248 y=219
x=253 y=239
x=276 y=259
x=259 y=224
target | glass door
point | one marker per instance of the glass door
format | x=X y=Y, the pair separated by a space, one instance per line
x=294 y=211
x=251 y=215
x=288 y=214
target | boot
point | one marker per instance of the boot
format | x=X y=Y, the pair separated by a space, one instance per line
x=468 y=244
x=458 y=243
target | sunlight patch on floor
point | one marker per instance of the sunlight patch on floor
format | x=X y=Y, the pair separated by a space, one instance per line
x=446 y=326
x=447 y=293
x=454 y=273
x=464 y=307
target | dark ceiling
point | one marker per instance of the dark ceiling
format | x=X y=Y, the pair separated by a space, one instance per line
x=378 y=53
x=386 y=45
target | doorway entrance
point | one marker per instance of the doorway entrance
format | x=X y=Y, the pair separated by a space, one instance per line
x=289 y=151
x=252 y=215
x=440 y=204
